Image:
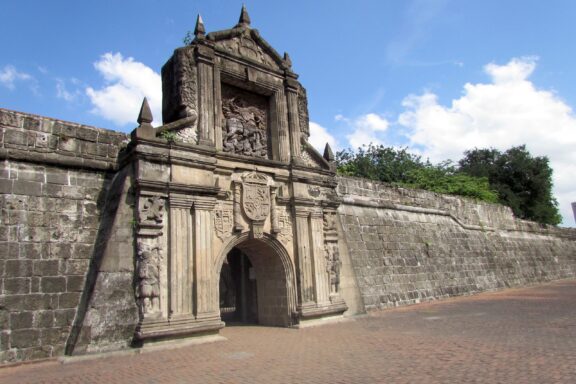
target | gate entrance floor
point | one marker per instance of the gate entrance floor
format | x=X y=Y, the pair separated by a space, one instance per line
x=514 y=336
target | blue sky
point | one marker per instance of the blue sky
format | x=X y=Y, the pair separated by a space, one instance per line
x=437 y=76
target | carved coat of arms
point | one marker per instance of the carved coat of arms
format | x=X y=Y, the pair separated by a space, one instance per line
x=223 y=222
x=256 y=197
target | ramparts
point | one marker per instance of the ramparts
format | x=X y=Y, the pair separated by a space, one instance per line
x=408 y=246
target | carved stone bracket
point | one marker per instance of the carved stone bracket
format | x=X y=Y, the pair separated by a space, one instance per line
x=223 y=221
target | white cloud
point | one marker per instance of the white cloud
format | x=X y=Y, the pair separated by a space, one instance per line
x=319 y=136
x=506 y=112
x=9 y=75
x=367 y=129
x=62 y=91
x=127 y=82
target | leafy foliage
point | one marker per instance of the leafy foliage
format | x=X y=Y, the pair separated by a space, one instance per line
x=514 y=178
x=400 y=167
x=523 y=182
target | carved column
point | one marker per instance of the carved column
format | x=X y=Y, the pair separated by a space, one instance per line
x=181 y=256
x=282 y=124
x=238 y=227
x=293 y=118
x=306 y=283
x=321 y=281
x=217 y=109
x=204 y=292
x=273 y=213
x=205 y=59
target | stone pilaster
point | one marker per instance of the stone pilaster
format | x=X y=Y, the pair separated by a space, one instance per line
x=283 y=126
x=306 y=280
x=204 y=289
x=181 y=257
x=205 y=58
x=217 y=109
x=321 y=282
x=293 y=118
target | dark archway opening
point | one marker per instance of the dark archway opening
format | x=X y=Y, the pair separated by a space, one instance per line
x=238 y=289
x=255 y=285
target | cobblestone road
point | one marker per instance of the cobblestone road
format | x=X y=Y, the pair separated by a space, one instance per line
x=513 y=336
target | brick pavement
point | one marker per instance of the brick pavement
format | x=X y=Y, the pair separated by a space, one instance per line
x=514 y=336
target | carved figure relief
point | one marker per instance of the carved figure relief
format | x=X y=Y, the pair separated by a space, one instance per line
x=149 y=265
x=152 y=210
x=256 y=196
x=244 y=46
x=244 y=131
x=333 y=265
x=223 y=222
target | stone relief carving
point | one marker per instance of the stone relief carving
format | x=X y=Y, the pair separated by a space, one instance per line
x=256 y=196
x=244 y=131
x=223 y=222
x=285 y=225
x=244 y=46
x=152 y=210
x=303 y=111
x=333 y=265
x=180 y=82
x=149 y=266
x=188 y=135
x=329 y=222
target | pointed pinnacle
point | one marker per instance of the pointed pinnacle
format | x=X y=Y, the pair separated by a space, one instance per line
x=244 y=17
x=145 y=116
x=287 y=60
x=328 y=154
x=199 y=30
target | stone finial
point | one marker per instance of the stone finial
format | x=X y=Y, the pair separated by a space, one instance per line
x=145 y=116
x=145 y=129
x=199 y=30
x=287 y=60
x=328 y=154
x=244 y=20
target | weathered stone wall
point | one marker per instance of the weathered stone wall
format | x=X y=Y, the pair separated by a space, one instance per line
x=408 y=246
x=53 y=178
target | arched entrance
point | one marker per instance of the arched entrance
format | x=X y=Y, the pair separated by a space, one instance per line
x=256 y=283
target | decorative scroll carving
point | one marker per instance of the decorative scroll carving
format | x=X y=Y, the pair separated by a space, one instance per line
x=152 y=210
x=303 y=111
x=149 y=266
x=244 y=131
x=179 y=84
x=333 y=265
x=223 y=222
x=245 y=47
x=256 y=196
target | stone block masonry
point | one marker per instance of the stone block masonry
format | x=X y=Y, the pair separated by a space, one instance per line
x=52 y=179
x=408 y=246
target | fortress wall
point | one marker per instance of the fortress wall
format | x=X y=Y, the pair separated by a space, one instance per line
x=408 y=246
x=53 y=179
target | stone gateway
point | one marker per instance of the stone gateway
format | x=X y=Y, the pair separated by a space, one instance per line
x=226 y=214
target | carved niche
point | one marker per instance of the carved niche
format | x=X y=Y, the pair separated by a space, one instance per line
x=245 y=125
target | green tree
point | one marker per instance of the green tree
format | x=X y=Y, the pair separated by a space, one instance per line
x=377 y=162
x=400 y=167
x=523 y=182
